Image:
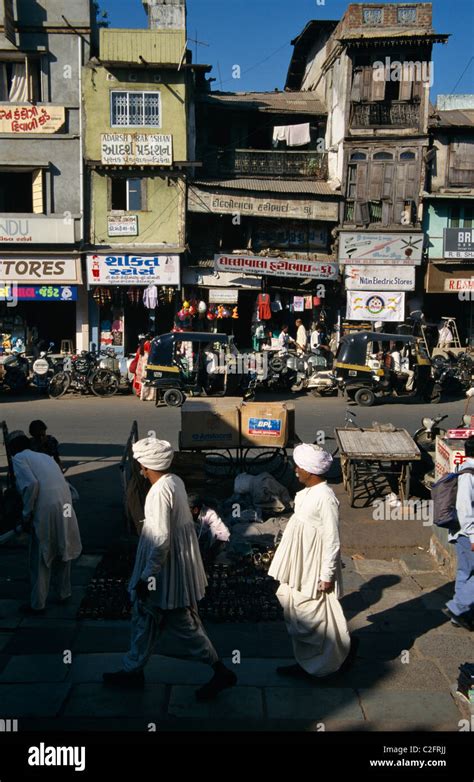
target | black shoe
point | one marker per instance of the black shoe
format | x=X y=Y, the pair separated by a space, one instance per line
x=294 y=671
x=460 y=620
x=222 y=680
x=29 y=611
x=132 y=679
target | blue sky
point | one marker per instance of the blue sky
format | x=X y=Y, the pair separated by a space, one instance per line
x=256 y=35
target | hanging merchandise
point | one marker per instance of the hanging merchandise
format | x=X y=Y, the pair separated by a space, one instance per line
x=276 y=305
x=220 y=312
x=134 y=295
x=316 y=301
x=235 y=313
x=202 y=308
x=298 y=303
x=211 y=313
x=308 y=302
x=102 y=296
x=150 y=297
x=263 y=303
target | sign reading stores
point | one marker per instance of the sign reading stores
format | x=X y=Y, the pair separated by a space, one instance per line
x=133 y=270
x=57 y=270
x=277 y=267
x=405 y=249
x=382 y=278
x=136 y=149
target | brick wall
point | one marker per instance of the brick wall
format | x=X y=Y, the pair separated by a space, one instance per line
x=353 y=16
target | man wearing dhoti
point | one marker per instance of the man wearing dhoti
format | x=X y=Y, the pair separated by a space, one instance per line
x=307 y=564
x=168 y=579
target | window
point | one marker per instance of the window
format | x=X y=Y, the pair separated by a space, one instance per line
x=135 y=109
x=383 y=156
x=21 y=192
x=461 y=163
x=126 y=195
x=20 y=81
x=372 y=16
x=461 y=216
x=358 y=156
x=406 y=15
x=407 y=155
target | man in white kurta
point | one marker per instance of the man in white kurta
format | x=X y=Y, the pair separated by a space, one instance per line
x=308 y=566
x=168 y=579
x=47 y=504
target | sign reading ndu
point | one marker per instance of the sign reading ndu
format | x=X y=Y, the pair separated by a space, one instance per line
x=133 y=270
x=136 y=149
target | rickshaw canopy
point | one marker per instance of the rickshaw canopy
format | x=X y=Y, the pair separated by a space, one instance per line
x=162 y=347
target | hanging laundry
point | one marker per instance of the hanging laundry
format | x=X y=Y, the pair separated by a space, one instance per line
x=264 y=309
x=298 y=303
x=150 y=297
x=294 y=135
x=276 y=305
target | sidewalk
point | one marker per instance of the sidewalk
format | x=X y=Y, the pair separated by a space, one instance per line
x=402 y=679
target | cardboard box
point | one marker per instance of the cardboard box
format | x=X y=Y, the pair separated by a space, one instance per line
x=266 y=424
x=209 y=425
x=449 y=456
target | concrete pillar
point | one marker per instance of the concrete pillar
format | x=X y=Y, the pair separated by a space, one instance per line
x=82 y=319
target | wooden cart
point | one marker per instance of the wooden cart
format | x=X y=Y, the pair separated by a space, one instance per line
x=367 y=455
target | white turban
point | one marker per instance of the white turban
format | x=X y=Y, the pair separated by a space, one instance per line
x=153 y=454
x=312 y=458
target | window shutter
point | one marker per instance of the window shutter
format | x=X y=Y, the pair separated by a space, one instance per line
x=387 y=187
x=377 y=88
x=356 y=94
x=461 y=163
x=367 y=80
x=361 y=191
x=376 y=181
x=38 y=205
x=406 y=89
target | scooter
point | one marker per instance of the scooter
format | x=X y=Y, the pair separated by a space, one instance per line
x=45 y=367
x=14 y=373
x=313 y=374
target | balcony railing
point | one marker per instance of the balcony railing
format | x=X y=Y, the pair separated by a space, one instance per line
x=268 y=163
x=398 y=114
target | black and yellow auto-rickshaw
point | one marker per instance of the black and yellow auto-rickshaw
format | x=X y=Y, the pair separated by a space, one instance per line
x=184 y=364
x=366 y=370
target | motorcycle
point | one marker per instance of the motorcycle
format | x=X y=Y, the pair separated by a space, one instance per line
x=118 y=366
x=82 y=373
x=313 y=373
x=453 y=373
x=425 y=439
x=276 y=374
x=14 y=372
x=45 y=367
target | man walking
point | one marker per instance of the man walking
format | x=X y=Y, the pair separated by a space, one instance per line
x=307 y=564
x=461 y=608
x=301 y=337
x=47 y=505
x=168 y=579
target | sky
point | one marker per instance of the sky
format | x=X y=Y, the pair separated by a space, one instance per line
x=256 y=35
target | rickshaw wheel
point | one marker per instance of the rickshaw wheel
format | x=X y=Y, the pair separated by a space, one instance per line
x=364 y=397
x=173 y=397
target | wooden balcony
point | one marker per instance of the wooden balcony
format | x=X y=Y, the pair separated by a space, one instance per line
x=268 y=163
x=395 y=114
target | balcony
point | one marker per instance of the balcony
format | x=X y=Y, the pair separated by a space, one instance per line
x=268 y=163
x=396 y=114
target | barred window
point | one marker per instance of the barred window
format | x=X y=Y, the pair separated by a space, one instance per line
x=406 y=15
x=135 y=109
x=372 y=15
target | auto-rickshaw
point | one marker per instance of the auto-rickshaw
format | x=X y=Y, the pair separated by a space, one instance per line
x=184 y=364
x=364 y=368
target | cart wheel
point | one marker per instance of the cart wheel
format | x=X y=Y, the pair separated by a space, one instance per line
x=365 y=397
x=173 y=397
x=404 y=483
x=351 y=484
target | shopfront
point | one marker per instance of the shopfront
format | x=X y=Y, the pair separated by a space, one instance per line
x=39 y=298
x=130 y=295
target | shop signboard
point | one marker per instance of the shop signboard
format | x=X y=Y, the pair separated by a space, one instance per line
x=14 y=292
x=36 y=230
x=456 y=284
x=383 y=278
x=289 y=234
x=458 y=243
x=133 y=270
x=378 y=248
x=262 y=206
x=28 y=120
x=209 y=278
x=223 y=295
x=122 y=225
x=277 y=267
x=370 y=305
x=46 y=270
x=136 y=149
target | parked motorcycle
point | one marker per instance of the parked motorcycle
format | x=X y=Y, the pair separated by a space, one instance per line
x=82 y=373
x=313 y=373
x=45 y=367
x=118 y=366
x=14 y=372
x=453 y=373
x=273 y=374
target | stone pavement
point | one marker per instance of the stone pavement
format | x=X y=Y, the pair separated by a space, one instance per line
x=402 y=679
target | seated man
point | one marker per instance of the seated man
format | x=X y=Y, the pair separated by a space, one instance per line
x=211 y=531
x=401 y=365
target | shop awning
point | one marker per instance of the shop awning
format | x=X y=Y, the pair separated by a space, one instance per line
x=442 y=277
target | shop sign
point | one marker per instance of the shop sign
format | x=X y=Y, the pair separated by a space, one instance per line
x=209 y=278
x=223 y=295
x=25 y=120
x=383 y=249
x=262 y=206
x=122 y=225
x=133 y=270
x=136 y=149
x=454 y=285
x=382 y=278
x=458 y=243
x=12 y=292
x=36 y=230
x=56 y=270
x=278 y=267
x=289 y=234
x=375 y=306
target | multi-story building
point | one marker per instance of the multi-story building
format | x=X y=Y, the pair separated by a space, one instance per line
x=43 y=47
x=136 y=148
x=373 y=70
x=449 y=214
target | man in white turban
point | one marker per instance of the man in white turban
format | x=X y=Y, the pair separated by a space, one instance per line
x=308 y=566
x=168 y=579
